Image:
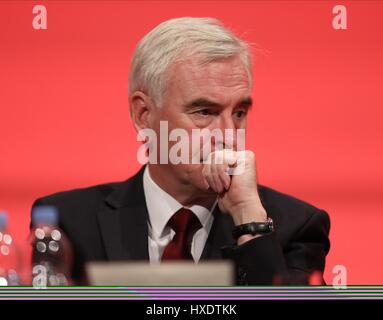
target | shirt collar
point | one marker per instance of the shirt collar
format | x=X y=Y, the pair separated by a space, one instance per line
x=161 y=206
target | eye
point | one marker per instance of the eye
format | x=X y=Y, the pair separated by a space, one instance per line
x=204 y=112
x=240 y=113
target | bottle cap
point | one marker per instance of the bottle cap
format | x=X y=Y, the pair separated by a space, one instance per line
x=47 y=215
x=3 y=220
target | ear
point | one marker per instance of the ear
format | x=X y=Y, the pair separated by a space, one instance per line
x=141 y=110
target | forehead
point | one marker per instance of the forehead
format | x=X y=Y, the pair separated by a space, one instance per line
x=222 y=80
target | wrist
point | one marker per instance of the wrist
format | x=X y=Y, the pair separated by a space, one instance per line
x=247 y=237
x=249 y=211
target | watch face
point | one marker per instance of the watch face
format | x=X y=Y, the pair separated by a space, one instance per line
x=271 y=224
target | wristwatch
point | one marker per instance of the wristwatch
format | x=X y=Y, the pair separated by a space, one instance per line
x=253 y=228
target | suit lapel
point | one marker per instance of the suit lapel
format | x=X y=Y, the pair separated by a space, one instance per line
x=123 y=221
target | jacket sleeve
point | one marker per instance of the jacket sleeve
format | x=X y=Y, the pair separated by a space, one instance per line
x=262 y=261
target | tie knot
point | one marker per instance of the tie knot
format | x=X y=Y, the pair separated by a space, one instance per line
x=184 y=220
x=185 y=223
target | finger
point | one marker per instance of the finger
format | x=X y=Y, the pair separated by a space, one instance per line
x=240 y=164
x=222 y=172
x=224 y=176
x=209 y=178
x=215 y=174
x=216 y=160
x=204 y=176
x=230 y=157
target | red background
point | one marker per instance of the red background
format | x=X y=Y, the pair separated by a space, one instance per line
x=316 y=127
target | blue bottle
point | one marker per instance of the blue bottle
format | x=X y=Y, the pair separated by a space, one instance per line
x=10 y=258
x=52 y=252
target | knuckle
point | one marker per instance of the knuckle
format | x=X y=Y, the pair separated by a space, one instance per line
x=250 y=154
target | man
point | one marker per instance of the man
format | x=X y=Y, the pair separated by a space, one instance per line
x=192 y=73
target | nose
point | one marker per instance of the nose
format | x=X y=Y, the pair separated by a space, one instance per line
x=227 y=127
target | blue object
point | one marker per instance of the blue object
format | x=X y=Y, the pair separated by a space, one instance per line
x=3 y=220
x=45 y=215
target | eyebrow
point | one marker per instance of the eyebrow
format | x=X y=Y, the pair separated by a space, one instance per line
x=203 y=102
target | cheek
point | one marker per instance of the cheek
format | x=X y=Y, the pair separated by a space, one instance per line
x=182 y=124
x=193 y=173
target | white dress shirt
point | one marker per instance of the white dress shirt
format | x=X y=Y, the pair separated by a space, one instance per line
x=161 y=206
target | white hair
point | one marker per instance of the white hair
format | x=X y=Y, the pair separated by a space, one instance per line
x=204 y=38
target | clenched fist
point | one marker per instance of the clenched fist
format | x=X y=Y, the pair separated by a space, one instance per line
x=232 y=175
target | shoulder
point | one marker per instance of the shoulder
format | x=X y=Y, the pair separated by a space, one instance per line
x=77 y=196
x=276 y=198
x=79 y=207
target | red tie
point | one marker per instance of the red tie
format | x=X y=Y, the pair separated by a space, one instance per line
x=185 y=224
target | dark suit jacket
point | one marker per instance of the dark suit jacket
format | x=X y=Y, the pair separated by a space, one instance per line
x=109 y=222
